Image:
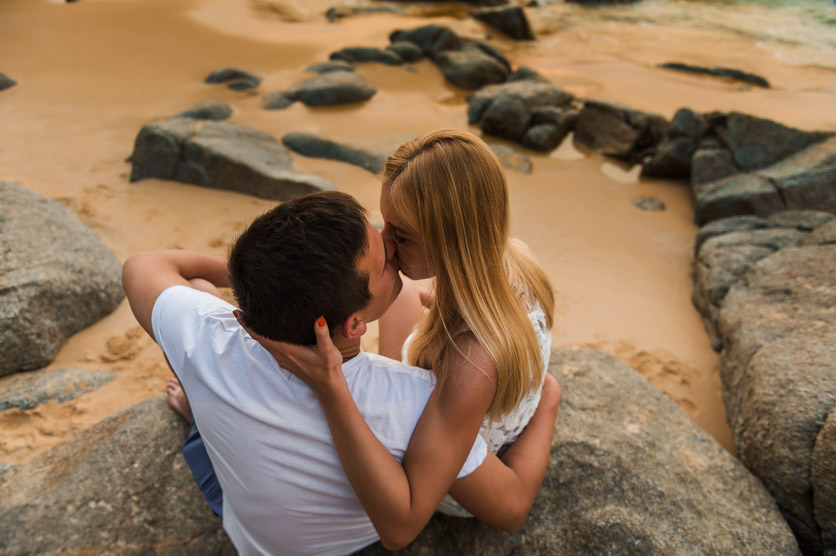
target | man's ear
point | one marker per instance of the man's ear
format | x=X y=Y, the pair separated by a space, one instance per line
x=353 y=327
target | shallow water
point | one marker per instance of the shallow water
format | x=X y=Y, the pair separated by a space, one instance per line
x=93 y=72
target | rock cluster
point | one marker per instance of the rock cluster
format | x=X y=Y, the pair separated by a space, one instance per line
x=56 y=278
x=235 y=78
x=767 y=289
x=741 y=164
x=221 y=155
x=629 y=472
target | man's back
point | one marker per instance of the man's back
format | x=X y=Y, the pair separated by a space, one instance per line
x=284 y=488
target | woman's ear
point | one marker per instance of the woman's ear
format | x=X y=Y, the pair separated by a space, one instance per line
x=353 y=327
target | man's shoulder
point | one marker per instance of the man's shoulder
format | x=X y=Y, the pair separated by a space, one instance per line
x=379 y=363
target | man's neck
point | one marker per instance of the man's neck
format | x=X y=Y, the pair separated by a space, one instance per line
x=349 y=347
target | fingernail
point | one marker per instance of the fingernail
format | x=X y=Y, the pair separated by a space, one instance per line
x=320 y=322
x=237 y=313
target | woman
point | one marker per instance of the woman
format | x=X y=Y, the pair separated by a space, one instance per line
x=444 y=200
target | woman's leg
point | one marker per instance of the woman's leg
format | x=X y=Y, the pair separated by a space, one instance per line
x=400 y=320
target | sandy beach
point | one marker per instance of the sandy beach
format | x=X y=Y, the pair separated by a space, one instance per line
x=90 y=74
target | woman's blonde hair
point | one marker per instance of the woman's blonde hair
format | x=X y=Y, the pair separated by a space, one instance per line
x=450 y=188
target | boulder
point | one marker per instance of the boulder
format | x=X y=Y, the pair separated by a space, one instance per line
x=710 y=163
x=779 y=380
x=619 y=131
x=510 y=20
x=333 y=87
x=221 y=155
x=629 y=473
x=408 y=51
x=208 y=110
x=29 y=390
x=728 y=73
x=333 y=65
x=529 y=111
x=311 y=145
x=756 y=142
x=277 y=100
x=6 y=81
x=233 y=75
x=120 y=486
x=465 y=63
x=355 y=54
x=804 y=180
x=672 y=158
x=56 y=278
x=470 y=67
x=723 y=258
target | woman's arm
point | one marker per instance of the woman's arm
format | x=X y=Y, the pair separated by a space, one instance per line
x=501 y=491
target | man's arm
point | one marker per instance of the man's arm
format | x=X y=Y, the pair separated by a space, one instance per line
x=146 y=275
x=500 y=492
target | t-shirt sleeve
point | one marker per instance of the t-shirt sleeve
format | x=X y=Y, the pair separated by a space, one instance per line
x=475 y=458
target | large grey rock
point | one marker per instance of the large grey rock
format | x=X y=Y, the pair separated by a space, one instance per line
x=309 y=144
x=28 y=390
x=119 y=487
x=629 y=473
x=235 y=78
x=465 y=63
x=56 y=278
x=470 y=67
x=805 y=180
x=672 y=158
x=208 y=110
x=510 y=20
x=756 y=142
x=726 y=248
x=354 y=54
x=331 y=88
x=221 y=155
x=779 y=378
x=619 y=131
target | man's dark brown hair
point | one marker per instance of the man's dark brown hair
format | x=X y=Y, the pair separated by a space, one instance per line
x=297 y=262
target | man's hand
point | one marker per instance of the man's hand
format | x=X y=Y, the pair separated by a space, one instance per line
x=146 y=275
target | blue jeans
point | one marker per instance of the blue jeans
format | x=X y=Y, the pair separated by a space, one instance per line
x=204 y=473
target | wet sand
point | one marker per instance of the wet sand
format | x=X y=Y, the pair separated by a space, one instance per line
x=90 y=74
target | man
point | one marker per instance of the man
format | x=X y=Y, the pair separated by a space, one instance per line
x=284 y=490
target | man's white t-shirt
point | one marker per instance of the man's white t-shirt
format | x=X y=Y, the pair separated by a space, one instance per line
x=285 y=491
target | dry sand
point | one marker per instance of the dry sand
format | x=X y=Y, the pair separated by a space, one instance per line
x=91 y=73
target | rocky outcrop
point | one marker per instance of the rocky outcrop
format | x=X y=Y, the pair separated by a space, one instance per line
x=208 y=110
x=726 y=248
x=311 y=145
x=536 y=114
x=6 y=81
x=510 y=20
x=629 y=472
x=121 y=486
x=766 y=289
x=331 y=88
x=778 y=330
x=728 y=73
x=619 y=131
x=235 y=78
x=56 y=278
x=465 y=63
x=221 y=155
x=29 y=390
x=806 y=179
